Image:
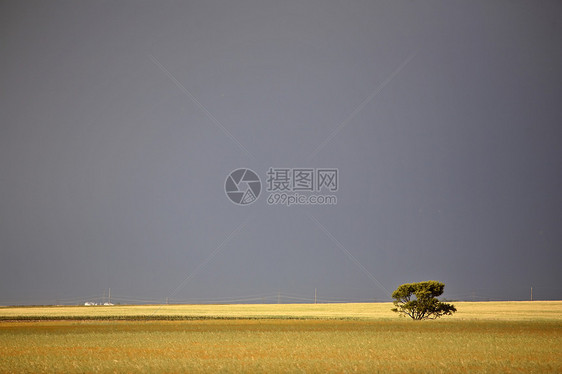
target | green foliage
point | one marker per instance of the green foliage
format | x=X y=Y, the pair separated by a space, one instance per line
x=419 y=300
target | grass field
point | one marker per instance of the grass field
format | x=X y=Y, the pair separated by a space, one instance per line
x=482 y=337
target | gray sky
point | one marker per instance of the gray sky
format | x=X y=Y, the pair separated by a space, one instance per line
x=120 y=122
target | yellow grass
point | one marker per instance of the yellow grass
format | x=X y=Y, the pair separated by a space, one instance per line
x=511 y=310
x=518 y=337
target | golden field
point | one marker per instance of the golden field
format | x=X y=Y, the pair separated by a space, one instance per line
x=481 y=337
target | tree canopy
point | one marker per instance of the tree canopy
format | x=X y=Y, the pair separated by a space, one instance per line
x=419 y=300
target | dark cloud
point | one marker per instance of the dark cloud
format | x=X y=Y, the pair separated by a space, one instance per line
x=121 y=122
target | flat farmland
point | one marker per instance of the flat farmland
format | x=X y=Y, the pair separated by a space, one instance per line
x=481 y=337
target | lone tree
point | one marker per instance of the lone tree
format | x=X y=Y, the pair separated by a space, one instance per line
x=424 y=304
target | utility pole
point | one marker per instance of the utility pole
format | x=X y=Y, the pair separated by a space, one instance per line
x=109 y=297
x=531 y=293
x=315 y=296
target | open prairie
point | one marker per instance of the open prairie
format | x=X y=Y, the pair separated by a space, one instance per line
x=481 y=337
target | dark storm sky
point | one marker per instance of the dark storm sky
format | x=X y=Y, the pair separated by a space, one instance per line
x=120 y=122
